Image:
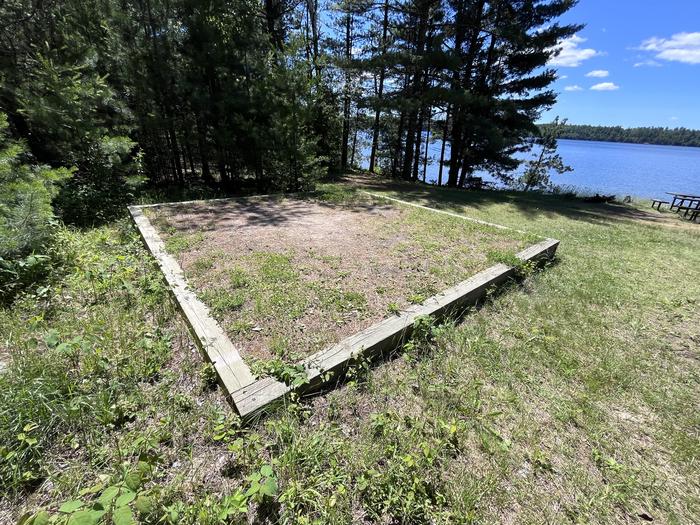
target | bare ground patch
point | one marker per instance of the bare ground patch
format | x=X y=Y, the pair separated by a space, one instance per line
x=287 y=277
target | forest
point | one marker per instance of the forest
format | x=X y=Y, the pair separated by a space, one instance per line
x=103 y=99
x=645 y=135
x=567 y=395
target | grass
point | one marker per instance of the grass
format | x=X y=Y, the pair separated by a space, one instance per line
x=570 y=399
x=292 y=279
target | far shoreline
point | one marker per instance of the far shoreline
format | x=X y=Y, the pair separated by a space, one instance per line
x=628 y=143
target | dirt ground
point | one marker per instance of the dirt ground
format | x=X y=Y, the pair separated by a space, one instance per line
x=288 y=277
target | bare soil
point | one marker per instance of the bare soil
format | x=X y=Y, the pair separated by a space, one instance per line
x=287 y=277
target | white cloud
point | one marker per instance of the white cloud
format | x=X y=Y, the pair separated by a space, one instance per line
x=598 y=73
x=563 y=77
x=573 y=88
x=647 y=63
x=681 y=47
x=605 y=86
x=570 y=54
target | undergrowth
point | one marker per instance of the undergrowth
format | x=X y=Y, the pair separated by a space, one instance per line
x=568 y=399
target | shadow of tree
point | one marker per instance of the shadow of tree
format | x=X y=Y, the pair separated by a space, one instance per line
x=258 y=211
x=530 y=204
x=276 y=210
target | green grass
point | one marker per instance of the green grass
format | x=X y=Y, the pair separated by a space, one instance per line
x=179 y=242
x=323 y=291
x=569 y=399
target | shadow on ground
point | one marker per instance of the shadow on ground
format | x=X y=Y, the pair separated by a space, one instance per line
x=530 y=204
x=275 y=210
x=260 y=211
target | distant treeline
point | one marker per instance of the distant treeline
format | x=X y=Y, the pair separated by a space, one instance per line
x=663 y=136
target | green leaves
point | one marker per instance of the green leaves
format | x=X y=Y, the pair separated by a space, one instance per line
x=144 y=504
x=133 y=480
x=123 y=516
x=125 y=498
x=85 y=517
x=112 y=505
x=25 y=193
x=71 y=506
x=263 y=484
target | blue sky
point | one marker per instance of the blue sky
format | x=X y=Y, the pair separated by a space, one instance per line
x=636 y=63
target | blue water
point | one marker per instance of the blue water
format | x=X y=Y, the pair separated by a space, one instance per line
x=611 y=168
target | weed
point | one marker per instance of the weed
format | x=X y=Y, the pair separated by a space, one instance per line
x=203 y=264
x=208 y=376
x=393 y=309
x=522 y=268
x=279 y=346
x=294 y=375
x=238 y=278
x=417 y=298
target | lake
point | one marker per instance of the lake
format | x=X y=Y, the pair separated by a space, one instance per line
x=612 y=168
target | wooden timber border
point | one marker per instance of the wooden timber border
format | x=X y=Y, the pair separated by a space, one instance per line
x=251 y=397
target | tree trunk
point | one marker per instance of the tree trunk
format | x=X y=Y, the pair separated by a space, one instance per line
x=463 y=82
x=427 y=144
x=203 y=148
x=354 y=139
x=442 y=148
x=346 y=98
x=419 y=141
x=397 y=156
x=380 y=92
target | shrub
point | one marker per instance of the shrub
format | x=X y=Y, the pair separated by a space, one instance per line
x=26 y=215
x=26 y=191
x=106 y=181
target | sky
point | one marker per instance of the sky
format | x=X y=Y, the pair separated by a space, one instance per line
x=636 y=63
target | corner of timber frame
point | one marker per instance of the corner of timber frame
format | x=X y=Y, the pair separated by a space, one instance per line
x=250 y=397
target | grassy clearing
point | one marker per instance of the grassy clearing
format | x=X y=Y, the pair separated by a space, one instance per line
x=571 y=399
x=306 y=273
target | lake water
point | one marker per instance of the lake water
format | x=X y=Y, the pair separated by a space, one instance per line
x=612 y=168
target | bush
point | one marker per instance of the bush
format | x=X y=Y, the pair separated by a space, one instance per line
x=26 y=191
x=103 y=185
x=26 y=215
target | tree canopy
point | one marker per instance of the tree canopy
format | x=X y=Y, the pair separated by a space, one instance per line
x=272 y=94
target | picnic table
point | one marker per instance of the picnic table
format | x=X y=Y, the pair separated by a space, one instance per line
x=682 y=202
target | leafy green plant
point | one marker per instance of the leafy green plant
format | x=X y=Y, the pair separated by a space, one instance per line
x=180 y=242
x=522 y=268
x=203 y=264
x=263 y=484
x=416 y=298
x=74 y=376
x=208 y=376
x=222 y=301
x=238 y=278
x=423 y=332
x=393 y=309
x=102 y=503
x=358 y=373
x=294 y=375
x=225 y=428
x=20 y=273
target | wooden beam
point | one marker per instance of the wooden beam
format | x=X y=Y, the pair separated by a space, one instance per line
x=384 y=336
x=231 y=370
x=251 y=397
x=443 y=212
